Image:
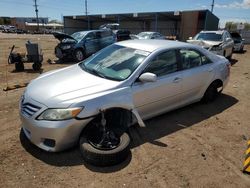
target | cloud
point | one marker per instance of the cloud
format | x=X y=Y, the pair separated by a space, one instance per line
x=245 y=4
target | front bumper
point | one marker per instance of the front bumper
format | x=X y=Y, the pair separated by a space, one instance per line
x=238 y=47
x=60 y=53
x=53 y=136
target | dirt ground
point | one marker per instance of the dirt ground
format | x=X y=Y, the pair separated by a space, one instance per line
x=201 y=145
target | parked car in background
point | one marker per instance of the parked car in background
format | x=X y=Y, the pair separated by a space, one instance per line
x=81 y=44
x=120 y=34
x=238 y=42
x=149 y=35
x=218 y=42
x=124 y=83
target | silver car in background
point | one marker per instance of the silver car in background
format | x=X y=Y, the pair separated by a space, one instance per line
x=135 y=80
x=238 y=42
x=218 y=42
x=149 y=35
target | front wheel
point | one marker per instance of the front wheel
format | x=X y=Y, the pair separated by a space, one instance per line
x=79 y=55
x=104 y=150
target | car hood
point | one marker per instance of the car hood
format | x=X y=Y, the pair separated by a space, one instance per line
x=56 y=88
x=205 y=43
x=60 y=36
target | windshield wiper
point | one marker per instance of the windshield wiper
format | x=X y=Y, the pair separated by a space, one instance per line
x=95 y=72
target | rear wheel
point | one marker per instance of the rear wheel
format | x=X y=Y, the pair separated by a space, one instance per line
x=212 y=92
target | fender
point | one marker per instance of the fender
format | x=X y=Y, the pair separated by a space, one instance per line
x=119 y=98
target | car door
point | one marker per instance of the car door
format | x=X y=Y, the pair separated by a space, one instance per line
x=107 y=38
x=91 y=43
x=197 y=73
x=153 y=98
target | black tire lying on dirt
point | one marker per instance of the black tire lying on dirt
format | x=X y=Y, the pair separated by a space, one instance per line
x=19 y=66
x=99 y=157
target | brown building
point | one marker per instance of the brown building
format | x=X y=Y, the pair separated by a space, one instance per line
x=181 y=24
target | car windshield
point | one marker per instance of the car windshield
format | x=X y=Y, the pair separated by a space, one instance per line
x=114 y=62
x=78 y=35
x=144 y=35
x=208 y=36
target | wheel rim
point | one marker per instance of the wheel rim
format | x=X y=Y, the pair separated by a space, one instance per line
x=103 y=140
x=79 y=55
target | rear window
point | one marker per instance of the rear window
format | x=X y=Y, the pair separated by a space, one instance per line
x=208 y=36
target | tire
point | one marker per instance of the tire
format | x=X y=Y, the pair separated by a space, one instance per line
x=211 y=93
x=99 y=157
x=19 y=66
x=79 y=55
x=36 y=66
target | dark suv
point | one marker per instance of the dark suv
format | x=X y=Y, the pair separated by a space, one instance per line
x=81 y=44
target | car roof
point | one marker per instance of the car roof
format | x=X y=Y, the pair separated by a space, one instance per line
x=90 y=31
x=152 y=45
x=148 y=32
x=217 y=32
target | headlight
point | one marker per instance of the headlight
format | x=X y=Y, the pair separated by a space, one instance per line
x=216 y=48
x=66 y=47
x=59 y=114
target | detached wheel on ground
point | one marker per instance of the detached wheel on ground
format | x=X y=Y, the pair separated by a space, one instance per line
x=79 y=55
x=19 y=66
x=104 y=149
x=212 y=92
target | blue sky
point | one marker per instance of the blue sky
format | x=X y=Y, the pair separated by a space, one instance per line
x=226 y=10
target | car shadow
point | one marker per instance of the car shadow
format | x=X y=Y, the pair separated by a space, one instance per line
x=70 y=157
x=28 y=71
x=176 y=120
x=240 y=52
x=64 y=61
x=155 y=129
x=233 y=61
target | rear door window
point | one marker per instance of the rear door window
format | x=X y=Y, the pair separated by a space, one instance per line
x=191 y=58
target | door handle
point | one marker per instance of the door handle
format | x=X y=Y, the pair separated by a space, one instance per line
x=176 y=80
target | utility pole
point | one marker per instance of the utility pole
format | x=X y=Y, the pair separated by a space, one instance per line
x=86 y=13
x=36 y=10
x=212 y=6
x=86 y=8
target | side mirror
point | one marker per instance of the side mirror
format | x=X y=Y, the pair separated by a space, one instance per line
x=148 y=77
x=243 y=39
x=190 y=38
x=228 y=39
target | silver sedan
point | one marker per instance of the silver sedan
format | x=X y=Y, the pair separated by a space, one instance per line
x=131 y=80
